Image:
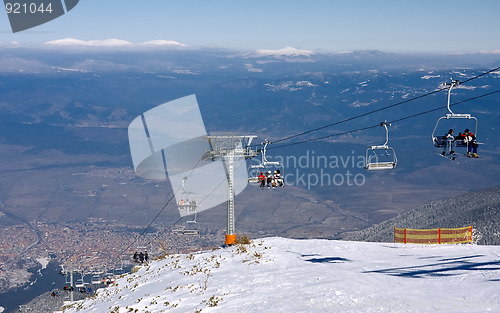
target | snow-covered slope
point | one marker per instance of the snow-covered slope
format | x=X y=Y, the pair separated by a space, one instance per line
x=284 y=275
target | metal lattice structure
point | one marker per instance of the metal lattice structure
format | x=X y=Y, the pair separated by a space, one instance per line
x=229 y=148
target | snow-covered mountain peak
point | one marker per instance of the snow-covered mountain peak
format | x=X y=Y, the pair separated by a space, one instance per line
x=285 y=52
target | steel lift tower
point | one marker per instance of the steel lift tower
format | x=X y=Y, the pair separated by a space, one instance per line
x=230 y=148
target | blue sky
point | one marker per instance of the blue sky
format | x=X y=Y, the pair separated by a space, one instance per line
x=331 y=25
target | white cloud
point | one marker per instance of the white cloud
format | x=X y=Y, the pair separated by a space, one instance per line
x=161 y=42
x=109 y=43
x=96 y=43
x=68 y=42
x=489 y=52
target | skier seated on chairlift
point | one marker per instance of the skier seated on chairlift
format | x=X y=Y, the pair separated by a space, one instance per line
x=262 y=180
x=269 y=179
x=449 y=140
x=184 y=204
x=278 y=179
x=469 y=139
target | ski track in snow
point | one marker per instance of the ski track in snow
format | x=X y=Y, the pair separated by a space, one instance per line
x=286 y=275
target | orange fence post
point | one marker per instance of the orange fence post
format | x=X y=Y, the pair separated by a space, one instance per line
x=439 y=239
x=405 y=235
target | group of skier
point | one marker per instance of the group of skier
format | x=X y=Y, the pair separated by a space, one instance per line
x=467 y=138
x=271 y=180
x=141 y=257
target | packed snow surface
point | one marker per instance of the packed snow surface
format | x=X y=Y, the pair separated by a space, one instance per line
x=285 y=275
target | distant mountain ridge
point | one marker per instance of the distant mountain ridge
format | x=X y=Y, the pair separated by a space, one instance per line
x=480 y=208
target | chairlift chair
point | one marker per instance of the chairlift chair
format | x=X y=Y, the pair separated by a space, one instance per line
x=191 y=227
x=109 y=278
x=117 y=272
x=191 y=207
x=374 y=154
x=68 y=283
x=96 y=279
x=67 y=278
x=264 y=166
x=439 y=141
x=80 y=282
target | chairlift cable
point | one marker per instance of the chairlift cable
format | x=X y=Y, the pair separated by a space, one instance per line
x=482 y=74
x=382 y=109
x=213 y=190
x=358 y=116
x=393 y=121
x=324 y=137
x=166 y=204
x=149 y=225
x=169 y=227
x=441 y=107
x=157 y=215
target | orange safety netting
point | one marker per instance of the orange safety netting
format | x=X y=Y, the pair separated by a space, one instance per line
x=433 y=236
